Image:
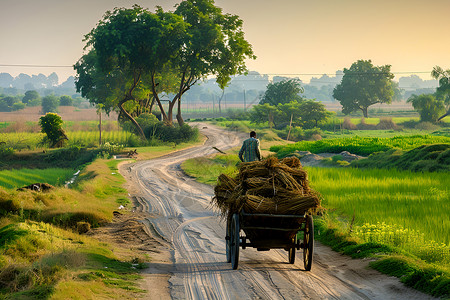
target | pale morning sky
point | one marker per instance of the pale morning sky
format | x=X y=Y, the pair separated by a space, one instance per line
x=288 y=36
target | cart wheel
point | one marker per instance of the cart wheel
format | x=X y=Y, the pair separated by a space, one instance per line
x=228 y=241
x=308 y=243
x=291 y=251
x=234 y=241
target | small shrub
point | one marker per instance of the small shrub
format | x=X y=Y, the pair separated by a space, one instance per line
x=426 y=126
x=317 y=132
x=347 y=124
x=386 y=124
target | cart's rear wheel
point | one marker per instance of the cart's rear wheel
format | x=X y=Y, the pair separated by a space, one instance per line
x=291 y=251
x=308 y=243
x=234 y=241
x=228 y=241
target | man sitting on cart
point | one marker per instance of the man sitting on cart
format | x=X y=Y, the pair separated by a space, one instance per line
x=250 y=149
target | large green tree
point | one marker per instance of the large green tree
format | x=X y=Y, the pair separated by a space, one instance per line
x=135 y=56
x=363 y=85
x=31 y=95
x=443 y=91
x=428 y=106
x=284 y=91
x=215 y=47
x=123 y=50
x=50 y=103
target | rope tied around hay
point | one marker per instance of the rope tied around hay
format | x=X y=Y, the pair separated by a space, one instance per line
x=267 y=186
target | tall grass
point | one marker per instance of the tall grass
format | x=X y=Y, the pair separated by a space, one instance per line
x=360 y=145
x=90 y=138
x=415 y=203
x=11 y=179
x=30 y=140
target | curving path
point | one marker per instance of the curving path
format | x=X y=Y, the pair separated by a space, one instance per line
x=181 y=217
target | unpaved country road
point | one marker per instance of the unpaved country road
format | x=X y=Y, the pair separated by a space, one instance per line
x=192 y=238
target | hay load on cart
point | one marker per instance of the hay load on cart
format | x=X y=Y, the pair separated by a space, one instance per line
x=272 y=203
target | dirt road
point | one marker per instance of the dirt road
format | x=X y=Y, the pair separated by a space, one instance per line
x=190 y=262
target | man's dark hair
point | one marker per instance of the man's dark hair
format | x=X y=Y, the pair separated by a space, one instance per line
x=252 y=134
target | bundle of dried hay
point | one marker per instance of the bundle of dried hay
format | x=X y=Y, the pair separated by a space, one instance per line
x=267 y=186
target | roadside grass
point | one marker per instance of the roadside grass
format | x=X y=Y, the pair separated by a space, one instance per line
x=430 y=278
x=11 y=179
x=395 y=216
x=39 y=261
x=41 y=254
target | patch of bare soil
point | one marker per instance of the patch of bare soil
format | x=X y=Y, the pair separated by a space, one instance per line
x=128 y=231
x=129 y=236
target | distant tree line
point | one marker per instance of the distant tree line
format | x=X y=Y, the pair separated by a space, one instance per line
x=49 y=103
x=44 y=85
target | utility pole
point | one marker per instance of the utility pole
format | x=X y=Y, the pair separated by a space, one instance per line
x=245 y=104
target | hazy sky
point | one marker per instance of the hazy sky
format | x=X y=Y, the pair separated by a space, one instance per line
x=288 y=36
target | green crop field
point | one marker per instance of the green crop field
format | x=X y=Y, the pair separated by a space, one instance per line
x=29 y=140
x=360 y=145
x=399 y=208
x=92 y=137
x=11 y=179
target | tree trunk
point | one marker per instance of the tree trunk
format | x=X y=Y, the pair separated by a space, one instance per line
x=364 y=110
x=179 y=117
x=135 y=123
x=220 y=101
x=169 y=121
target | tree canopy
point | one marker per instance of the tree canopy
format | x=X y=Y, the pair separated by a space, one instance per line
x=443 y=91
x=428 y=106
x=51 y=125
x=306 y=113
x=363 y=85
x=284 y=91
x=134 y=55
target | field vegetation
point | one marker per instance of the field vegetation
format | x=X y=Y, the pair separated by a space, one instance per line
x=398 y=216
x=43 y=251
x=360 y=145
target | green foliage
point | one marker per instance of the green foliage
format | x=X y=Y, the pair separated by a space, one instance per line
x=428 y=107
x=359 y=145
x=8 y=103
x=177 y=134
x=207 y=171
x=423 y=277
x=393 y=197
x=135 y=53
x=65 y=101
x=18 y=106
x=30 y=96
x=51 y=125
x=67 y=158
x=431 y=158
x=429 y=279
x=156 y=130
x=282 y=92
x=5 y=151
x=305 y=113
x=11 y=179
x=50 y=103
x=364 y=85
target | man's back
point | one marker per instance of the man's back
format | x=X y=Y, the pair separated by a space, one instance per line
x=250 y=150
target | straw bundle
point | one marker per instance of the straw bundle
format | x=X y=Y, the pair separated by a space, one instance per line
x=267 y=186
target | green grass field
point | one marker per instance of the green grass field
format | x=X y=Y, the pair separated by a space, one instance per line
x=12 y=179
x=29 y=140
x=360 y=145
x=398 y=208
